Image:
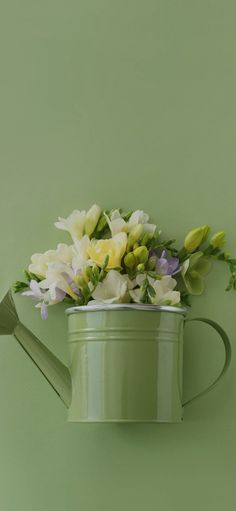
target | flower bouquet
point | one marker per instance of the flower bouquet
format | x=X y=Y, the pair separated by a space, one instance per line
x=119 y=257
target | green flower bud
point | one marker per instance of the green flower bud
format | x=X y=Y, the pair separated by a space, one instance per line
x=146 y=238
x=88 y=273
x=218 y=239
x=81 y=281
x=195 y=238
x=130 y=260
x=141 y=254
x=140 y=267
x=151 y=264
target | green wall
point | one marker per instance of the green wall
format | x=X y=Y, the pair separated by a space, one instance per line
x=126 y=103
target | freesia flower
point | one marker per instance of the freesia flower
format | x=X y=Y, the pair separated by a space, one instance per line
x=193 y=271
x=116 y=222
x=113 y=247
x=113 y=289
x=43 y=296
x=164 y=290
x=74 y=224
x=138 y=218
x=81 y=255
x=40 y=262
x=133 y=265
x=165 y=263
x=79 y=222
x=165 y=293
x=60 y=276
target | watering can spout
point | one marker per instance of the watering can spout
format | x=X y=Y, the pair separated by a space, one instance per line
x=55 y=372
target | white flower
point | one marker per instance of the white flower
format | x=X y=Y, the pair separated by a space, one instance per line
x=139 y=217
x=81 y=256
x=113 y=289
x=45 y=298
x=39 y=262
x=117 y=223
x=163 y=290
x=74 y=224
x=79 y=223
x=60 y=276
x=64 y=253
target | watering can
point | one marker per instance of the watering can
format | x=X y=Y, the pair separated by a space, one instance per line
x=126 y=361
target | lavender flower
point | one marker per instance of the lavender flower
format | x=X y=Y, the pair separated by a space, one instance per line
x=165 y=263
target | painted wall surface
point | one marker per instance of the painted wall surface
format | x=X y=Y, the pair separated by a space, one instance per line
x=130 y=104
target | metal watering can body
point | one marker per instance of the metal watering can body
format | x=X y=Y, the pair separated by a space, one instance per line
x=126 y=361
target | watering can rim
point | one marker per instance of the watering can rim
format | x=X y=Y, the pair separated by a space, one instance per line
x=125 y=307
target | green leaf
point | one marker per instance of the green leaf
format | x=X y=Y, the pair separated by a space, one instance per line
x=154 y=275
x=19 y=286
x=151 y=291
x=96 y=273
x=105 y=262
x=126 y=215
x=185 y=299
x=31 y=276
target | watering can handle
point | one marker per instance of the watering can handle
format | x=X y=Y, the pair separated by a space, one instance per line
x=227 y=347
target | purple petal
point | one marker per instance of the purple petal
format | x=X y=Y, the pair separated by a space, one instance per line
x=35 y=288
x=44 y=311
x=166 y=264
x=59 y=294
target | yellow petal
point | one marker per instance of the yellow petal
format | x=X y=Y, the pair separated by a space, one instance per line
x=114 y=247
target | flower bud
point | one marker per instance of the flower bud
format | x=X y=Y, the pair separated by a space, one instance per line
x=141 y=254
x=145 y=239
x=130 y=260
x=218 y=239
x=151 y=264
x=91 y=219
x=134 y=235
x=140 y=267
x=88 y=272
x=195 y=238
x=81 y=281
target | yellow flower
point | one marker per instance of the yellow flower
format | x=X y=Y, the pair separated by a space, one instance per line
x=113 y=247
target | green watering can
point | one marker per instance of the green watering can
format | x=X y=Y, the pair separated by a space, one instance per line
x=126 y=361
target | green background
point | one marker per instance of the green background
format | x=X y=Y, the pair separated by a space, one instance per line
x=124 y=103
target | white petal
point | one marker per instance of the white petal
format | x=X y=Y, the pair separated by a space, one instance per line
x=138 y=217
x=136 y=295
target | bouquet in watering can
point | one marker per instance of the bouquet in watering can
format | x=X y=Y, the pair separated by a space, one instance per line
x=121 y=257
